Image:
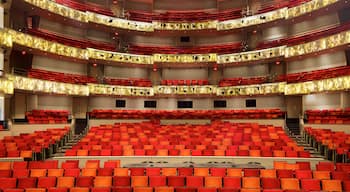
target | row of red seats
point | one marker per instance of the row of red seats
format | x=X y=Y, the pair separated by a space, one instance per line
x=330 y=116
x=305 y=37
x=187 y=114
x=53 y=167
x=47 y=116
x=184 y=82
x=177 y=179
x=86 y=6
x=328 y=141
x=218 y=139
x=152 y=49
x=178 y=16
x=60 y=77
x=129 y=82
x=25 y=145
x=80 y=43
x=318 y=74
x=242 y=81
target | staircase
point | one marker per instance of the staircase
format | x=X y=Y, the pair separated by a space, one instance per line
x=293 y=126
x=68 y=145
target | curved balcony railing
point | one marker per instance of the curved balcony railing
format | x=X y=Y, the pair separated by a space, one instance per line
x=11 y=82
x=10 y=37
x=91 y=17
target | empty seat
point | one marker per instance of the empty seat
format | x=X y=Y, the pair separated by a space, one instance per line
x=119 y=181
x=103 y=181
x=65 y=182
x=331 y=185
x=46 y=182
x=139 y=181
x=84 y=181
x=176 y=181
x=310 y=184
x=213 y=181
x=290 y=184
x=251 y=182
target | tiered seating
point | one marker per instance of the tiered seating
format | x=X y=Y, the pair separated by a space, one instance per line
x=330 y=116
x=219 y=48
x=217 y=139
x=184 y=82
x=86 y=6
x=25 y=145
x=60 y=77
x=304 y=37
x=334 y=145
x=318 y=74
x=80 y=43
x=270 y=6
x=129 y=82
x=187 y=114
x=47 y=116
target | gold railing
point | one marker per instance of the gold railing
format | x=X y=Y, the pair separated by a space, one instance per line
x=252 y=55
x=119 y=23
x=11 y=82
x=308 y=7
x=184 y=26
x=185 y=58
x=38 y=85
x=119 y=57
x=9 y=37
x=185 y=90
x=332 y=84
x=284 y=13
x=329 y=42
x=99 y=89
x=252 y=20
x=46 y=45
x=261 y=89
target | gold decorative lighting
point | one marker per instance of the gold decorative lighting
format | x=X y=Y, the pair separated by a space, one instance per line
x=185 y=26
x=38 y=85
x=184 y=58
x=100 y=89
x=119 y=57
x=252 y=55
x=185 y=90
x=252 y=20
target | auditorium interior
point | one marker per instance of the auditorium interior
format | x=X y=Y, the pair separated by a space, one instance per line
x=174 y=96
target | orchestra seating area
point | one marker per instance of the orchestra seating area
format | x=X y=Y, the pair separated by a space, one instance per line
x=187 y=82
x=187 y=114
x=60 y=77
x=284 y=177
x=216 y=139
x=129 y=82
x=47 y=116
x=70 y=41
x=330 y=116
x=26 y=144
x=219 y=48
